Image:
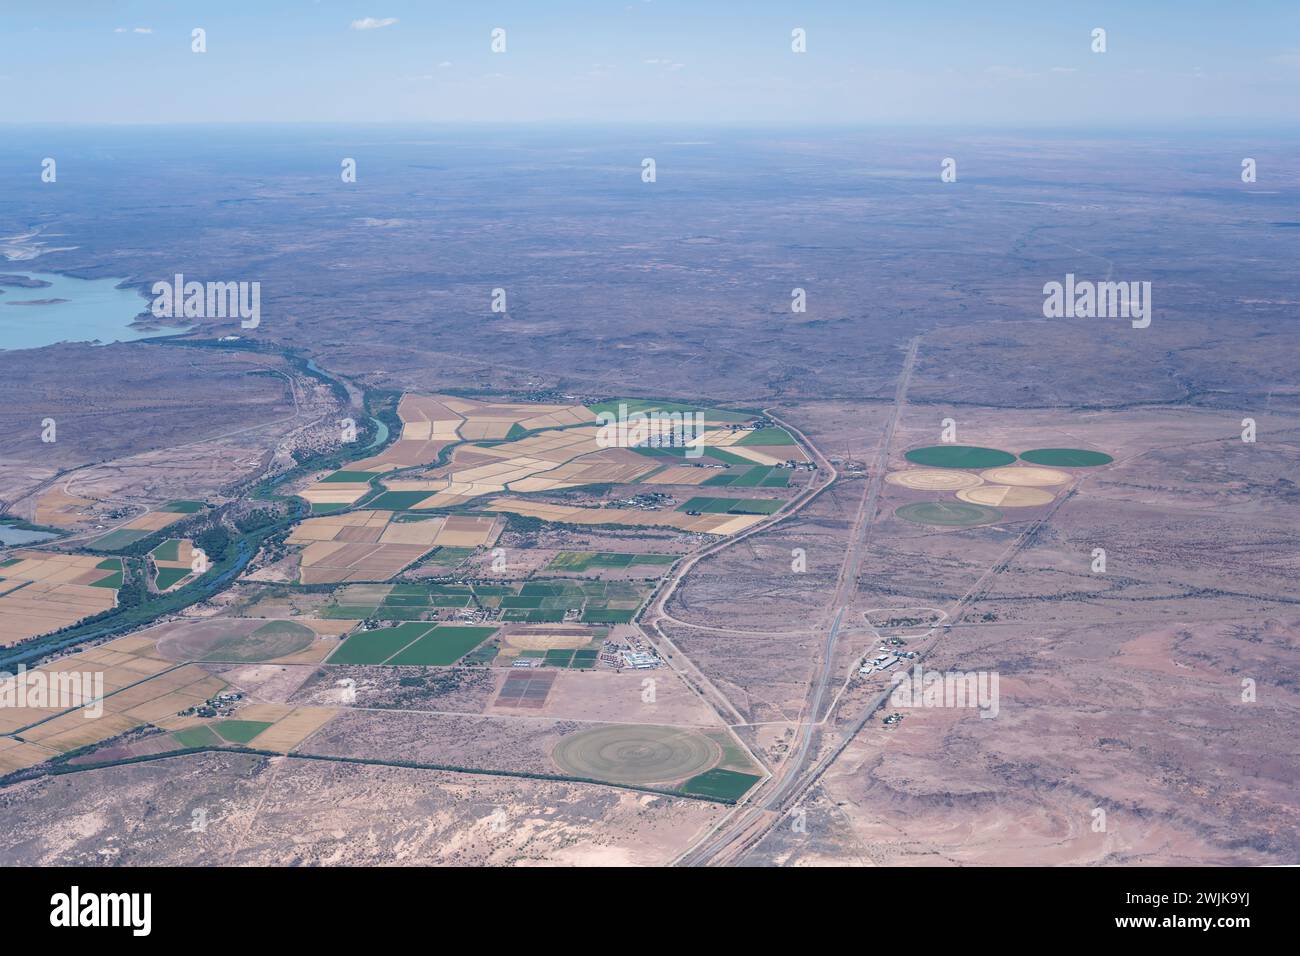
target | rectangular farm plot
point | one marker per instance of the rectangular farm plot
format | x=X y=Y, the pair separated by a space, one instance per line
x=527 y=689
x=733 y=506
x=131 y=699
x=293 y=728
x=370 y=546
x=172 y=560
x=719 y=524
x=415 y=643
x=275 y=727
x=729 y=785
x=586 y=560
x=375 y=647
x=145 y=525
x=42 y=592
x=445 y=644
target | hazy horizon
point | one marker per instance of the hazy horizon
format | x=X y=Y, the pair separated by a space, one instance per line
x=653 y=61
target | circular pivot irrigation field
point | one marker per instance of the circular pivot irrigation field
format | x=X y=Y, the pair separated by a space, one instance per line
x=243 y=640
x=1005 y=496
x=1066 y=457
x=959 y=456
x=948 y=514
x=933 y=479
x=636 y=754
x=1026 y=477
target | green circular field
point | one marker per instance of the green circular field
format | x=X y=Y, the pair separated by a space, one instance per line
x=949 y=514
x=959 y=456
x=1066 y=457
x=636 y=754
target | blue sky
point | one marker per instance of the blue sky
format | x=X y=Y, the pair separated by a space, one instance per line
x=989 y=63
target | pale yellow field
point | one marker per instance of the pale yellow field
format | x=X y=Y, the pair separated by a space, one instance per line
x=1027 y=476
x=43 y=592
x=718 y=524
x=138 y=688
x=432 y=422
x=682 y=475
x=1005 y=496
x=291 y=728
x=334 y=492
x=369 y=546
x=542 y=637
x=58 y=509
x=933 y=479
x=153 y=521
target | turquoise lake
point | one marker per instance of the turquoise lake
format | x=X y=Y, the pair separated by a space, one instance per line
x=95 y=310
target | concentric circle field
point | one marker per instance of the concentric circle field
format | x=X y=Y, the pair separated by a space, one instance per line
x=948 y=514
x=243 y=640
x=933 y=479
x=1005 y=496
x=640 y=754
x=1026 y=477
x=1066 y=457
x=959 y=456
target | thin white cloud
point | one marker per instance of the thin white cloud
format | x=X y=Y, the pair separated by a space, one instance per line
x=373 y=23
x=133 y=30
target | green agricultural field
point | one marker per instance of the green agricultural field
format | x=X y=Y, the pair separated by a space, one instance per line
x=241 y=731
x=727 y=785
x=114 y=580
x=586 y=560
x=169 y=550
x=445 y=644
x=267 y=642
x=183 y=507
x=117 y=540
x=349 y=476
x=948 y=514
x=108 y=564
x=200 y=736
x=733 y=506
x=326 y=507
x=607 y=616
x=397 y=500
x=168 y=576
x=482 y=655
x=760 y=476
x=1066 y=457
x=449 y=557
x=767 y=436
x=375 y=647
x=541 y=616
x=714 y=452
x=959 y=456
x=583 y=659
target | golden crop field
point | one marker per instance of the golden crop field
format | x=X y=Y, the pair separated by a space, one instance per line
x=43 y=592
